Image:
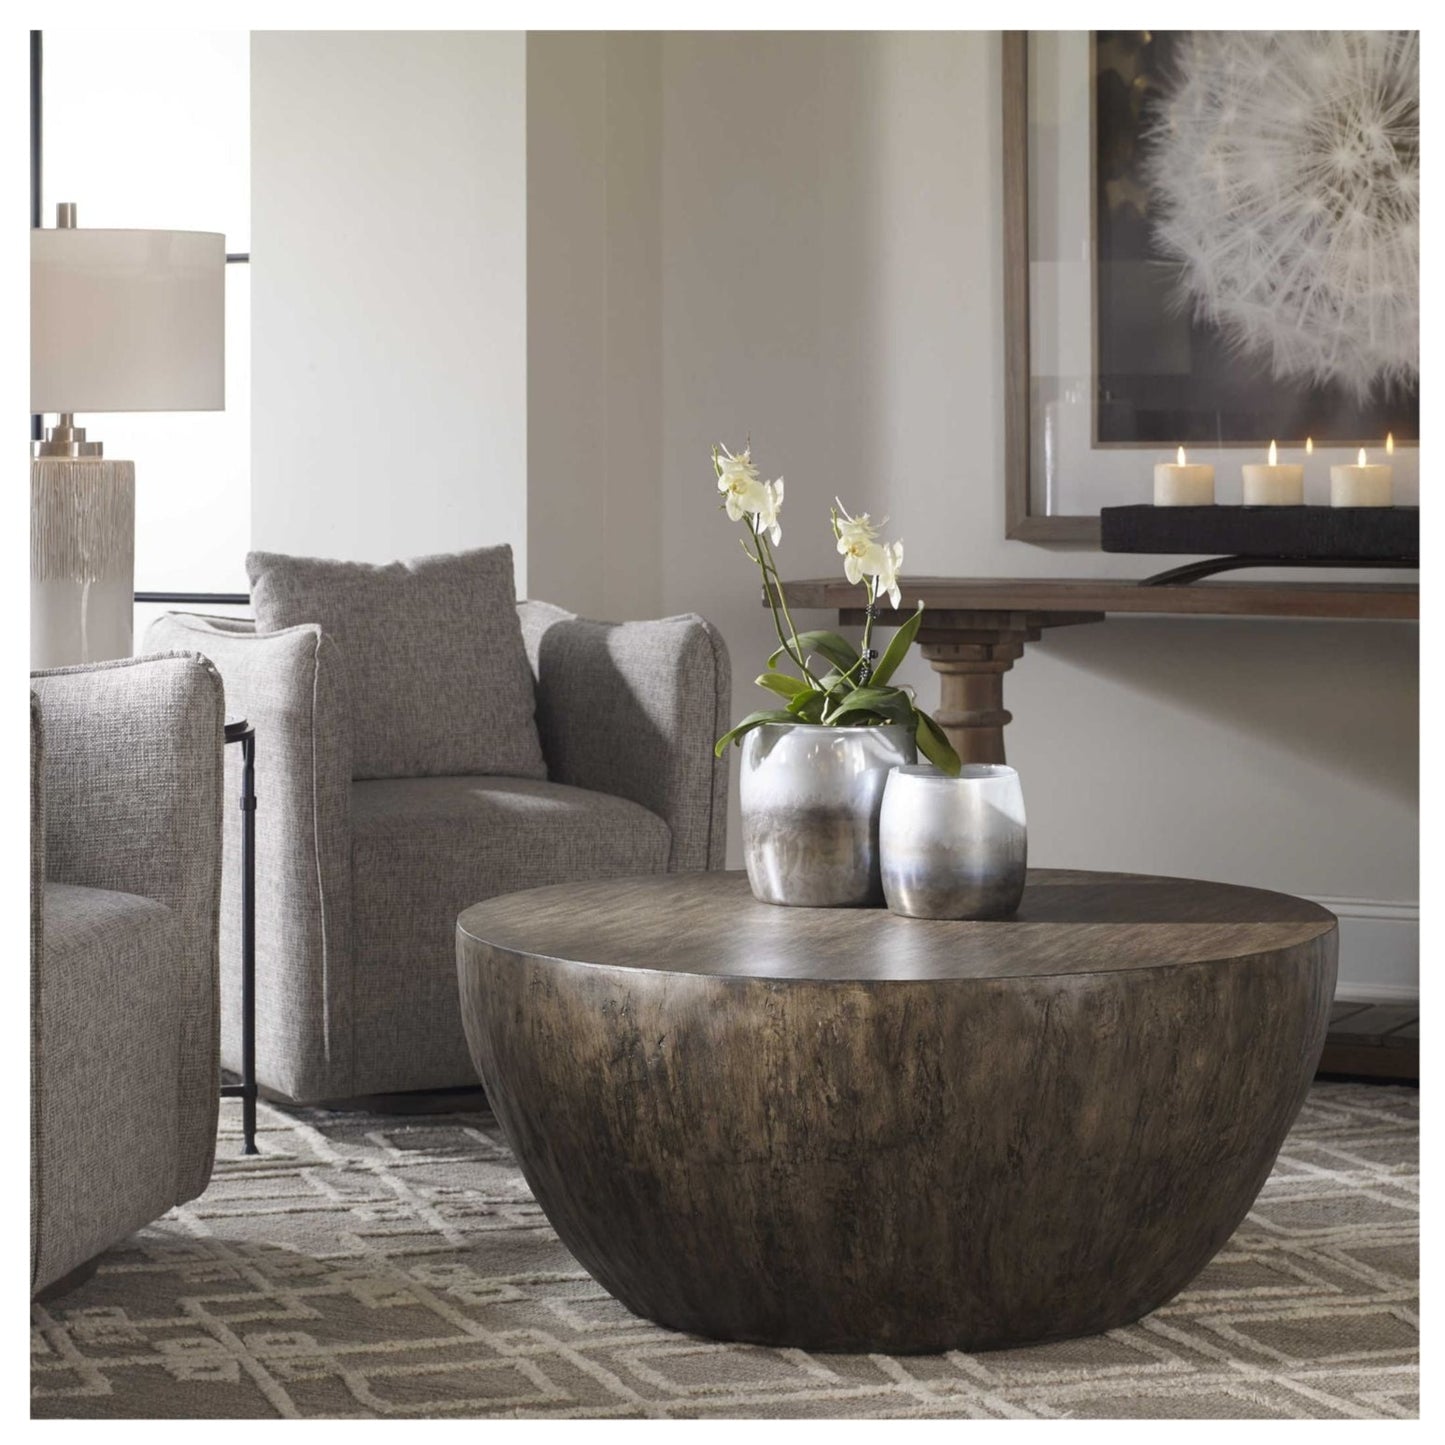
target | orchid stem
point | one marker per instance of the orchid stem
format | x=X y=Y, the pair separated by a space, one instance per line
x=870 y=585
x=770 y=582
x=765 y=545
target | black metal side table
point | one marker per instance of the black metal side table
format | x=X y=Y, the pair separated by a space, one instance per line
x=242 y=732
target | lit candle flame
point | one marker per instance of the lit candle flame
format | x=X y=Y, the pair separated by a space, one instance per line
x=1362 y=456
x=1309 y=446
x=1181 y=456
x=1273 y=455
x=1389 y=443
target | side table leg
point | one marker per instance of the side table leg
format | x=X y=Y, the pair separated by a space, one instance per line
x=248 y=942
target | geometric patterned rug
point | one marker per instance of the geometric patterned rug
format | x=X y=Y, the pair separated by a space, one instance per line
x=373 y=1265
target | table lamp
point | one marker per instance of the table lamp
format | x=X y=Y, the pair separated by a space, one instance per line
x=119 y=321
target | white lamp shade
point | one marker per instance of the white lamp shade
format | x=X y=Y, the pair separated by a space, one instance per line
x=127 y=321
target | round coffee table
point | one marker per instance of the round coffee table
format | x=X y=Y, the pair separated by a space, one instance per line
x=844 y=1130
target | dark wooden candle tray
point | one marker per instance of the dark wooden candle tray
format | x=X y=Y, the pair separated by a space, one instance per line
x=1375 y=534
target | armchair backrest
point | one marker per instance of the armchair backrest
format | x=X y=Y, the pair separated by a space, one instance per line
x=132 y=770
x=433 y=653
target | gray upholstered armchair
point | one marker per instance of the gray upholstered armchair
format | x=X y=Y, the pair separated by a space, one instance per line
x=125 y=878
x=360 y=880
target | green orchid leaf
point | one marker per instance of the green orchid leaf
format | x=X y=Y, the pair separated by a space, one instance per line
x=782 y=684
x=897 y=648
x=808 y=707
x=933 y=743
x=838 y=650
x=887 y=703
x=751 y=721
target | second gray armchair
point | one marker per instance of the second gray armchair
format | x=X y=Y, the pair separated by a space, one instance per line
x=125 y=831
x=360 y=879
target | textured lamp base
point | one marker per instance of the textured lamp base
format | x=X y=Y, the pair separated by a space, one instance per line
x=82 y=560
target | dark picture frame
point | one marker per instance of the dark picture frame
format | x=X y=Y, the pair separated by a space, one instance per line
x=1220 y=399
x=1021 y=522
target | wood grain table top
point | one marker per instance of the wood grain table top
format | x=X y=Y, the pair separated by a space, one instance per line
x=1070 y=922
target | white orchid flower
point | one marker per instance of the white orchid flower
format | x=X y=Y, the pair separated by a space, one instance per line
x=860 y=561
x=865 y=556
x=766 y=519
x=746 y=494
x=857 y=544
x=738 y=480
x=890 y=560
x=855 y=534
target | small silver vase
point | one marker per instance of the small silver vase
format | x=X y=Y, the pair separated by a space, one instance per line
x=953 y=847
x=810 y=800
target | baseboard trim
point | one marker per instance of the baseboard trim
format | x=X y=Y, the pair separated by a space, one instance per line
x=1392 y=910
x=1379 y=949
x=1376 y=993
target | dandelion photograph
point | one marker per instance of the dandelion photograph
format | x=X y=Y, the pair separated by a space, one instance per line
x=1256 y=237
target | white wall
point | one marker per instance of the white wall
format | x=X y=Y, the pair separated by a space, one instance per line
x=594 y=321
x=797 y=236
x=832 y=282
x=389 y=306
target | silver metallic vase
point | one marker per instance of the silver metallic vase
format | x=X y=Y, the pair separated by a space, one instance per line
x=953 y=847
x=810 y=800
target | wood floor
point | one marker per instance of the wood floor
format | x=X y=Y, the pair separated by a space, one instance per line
x=1373 y=1041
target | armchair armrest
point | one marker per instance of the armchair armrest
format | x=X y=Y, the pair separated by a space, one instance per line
x=633 y=709
x=291 y=687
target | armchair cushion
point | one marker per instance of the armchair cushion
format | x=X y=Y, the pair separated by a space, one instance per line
x=83 y=924
x=439 y=679
x=114 y=1027
x=424 y=849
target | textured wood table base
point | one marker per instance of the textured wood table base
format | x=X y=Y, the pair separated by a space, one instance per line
x=843 y=1130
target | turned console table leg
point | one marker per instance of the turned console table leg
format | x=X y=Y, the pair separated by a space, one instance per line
x=970 y=651
x=970 y=708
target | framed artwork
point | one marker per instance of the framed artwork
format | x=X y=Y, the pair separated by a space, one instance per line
x=1211 y=239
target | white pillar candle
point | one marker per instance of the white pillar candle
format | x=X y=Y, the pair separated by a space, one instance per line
x=1362 y=485
x=1280 y=484
x=1183 y=484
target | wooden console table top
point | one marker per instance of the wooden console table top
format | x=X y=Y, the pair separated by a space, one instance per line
x=1385 y=601
x=976 y=628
